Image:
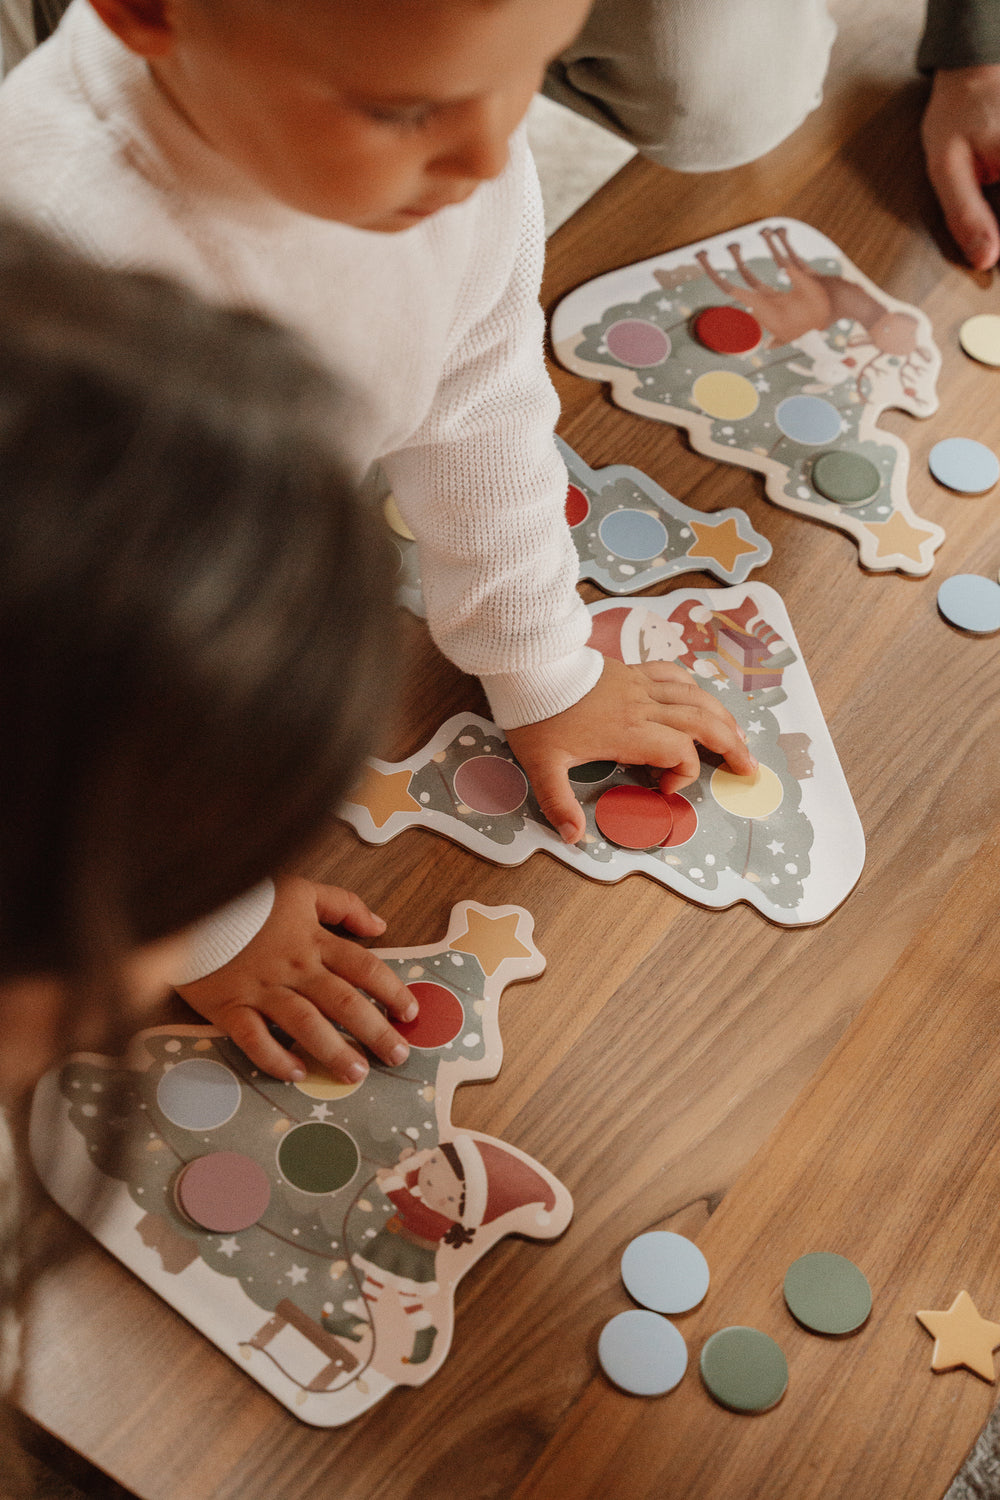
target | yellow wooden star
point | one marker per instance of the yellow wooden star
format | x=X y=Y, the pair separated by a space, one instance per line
x=722 y=543
x=490 y=939
x=384 y=793
x=962 y=1337
x=896 y=537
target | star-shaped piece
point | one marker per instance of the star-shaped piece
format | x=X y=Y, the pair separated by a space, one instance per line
x=384 y=793
x=297 y=1275
x=490 y=939
x=320 y=1112
x=228 y=1247
x=962 y=1337
x=722 y=543
x=896 y=537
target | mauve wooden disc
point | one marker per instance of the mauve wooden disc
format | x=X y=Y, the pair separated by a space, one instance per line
x=224 y=1191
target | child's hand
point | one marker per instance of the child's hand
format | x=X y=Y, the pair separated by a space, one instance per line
x=302 y=977
x=650 y=715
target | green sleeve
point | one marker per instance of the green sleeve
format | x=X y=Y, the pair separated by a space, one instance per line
x=960 y=33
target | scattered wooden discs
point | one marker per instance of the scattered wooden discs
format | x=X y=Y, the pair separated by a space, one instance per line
x=964 y=465
x=827 y=1293
x=970 y=602
x=980 y=338
x=744 y=1369
x=665 y=1272
x=642 y=1353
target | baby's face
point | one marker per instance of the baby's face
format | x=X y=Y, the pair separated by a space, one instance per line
x=376 y=113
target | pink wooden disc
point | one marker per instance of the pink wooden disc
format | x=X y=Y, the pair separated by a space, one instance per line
x=224 y=1191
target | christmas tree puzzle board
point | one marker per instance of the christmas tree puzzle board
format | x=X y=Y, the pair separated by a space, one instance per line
x=773 y=351
x=787 y=841
x=629 y=533
x=315 y=1231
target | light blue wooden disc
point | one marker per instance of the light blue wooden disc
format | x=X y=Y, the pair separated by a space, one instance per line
x=642 y=1353
x=665 y=1271
x=964 y=465
x=970 y=602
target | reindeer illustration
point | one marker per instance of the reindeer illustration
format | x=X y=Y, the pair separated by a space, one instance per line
x=812 y=302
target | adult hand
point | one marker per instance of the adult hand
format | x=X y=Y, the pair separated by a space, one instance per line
x=961 y=136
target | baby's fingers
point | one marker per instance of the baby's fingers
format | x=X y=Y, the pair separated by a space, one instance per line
x=340 y=908
x=719 y=735
x=551 y=786
x=250 y=1032
x=308 y=1019
x=366 y=972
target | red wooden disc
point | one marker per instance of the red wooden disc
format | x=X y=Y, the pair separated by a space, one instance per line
x=727 y=330
x=577 y=505
x=439 y=1020
x=634 y=817
x=685 y=824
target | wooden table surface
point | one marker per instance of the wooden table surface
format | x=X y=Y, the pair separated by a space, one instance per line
x=767 y=1091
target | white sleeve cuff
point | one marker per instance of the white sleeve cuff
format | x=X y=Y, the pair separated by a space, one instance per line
x=536 y=693
x=218 y=938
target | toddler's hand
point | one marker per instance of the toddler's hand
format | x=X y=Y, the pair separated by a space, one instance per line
x=650 y=715
x=300 y=976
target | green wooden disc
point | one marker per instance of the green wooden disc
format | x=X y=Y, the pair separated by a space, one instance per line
x=744 y=1369
x=827 y=1293
x=847 y=478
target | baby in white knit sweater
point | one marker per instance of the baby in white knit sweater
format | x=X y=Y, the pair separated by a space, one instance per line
x=358 y=171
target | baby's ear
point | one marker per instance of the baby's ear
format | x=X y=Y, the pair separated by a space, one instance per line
x=143 y=25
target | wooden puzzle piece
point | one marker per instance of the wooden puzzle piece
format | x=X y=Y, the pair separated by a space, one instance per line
x=962 y=1337
x=744 y=1369
x=629 y=533
x=963 y=465
x=827 y=353
x=788 y=841
x=315 y=1231
x=642 y=1353
x=970 y=602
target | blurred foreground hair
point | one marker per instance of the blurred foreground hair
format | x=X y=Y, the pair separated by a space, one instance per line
x=193 y=616
x=193 y=607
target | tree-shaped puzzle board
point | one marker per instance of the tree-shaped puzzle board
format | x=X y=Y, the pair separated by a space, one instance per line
x=788 y=841
x=774 y=352
x=314 y=1231
x=629 y=533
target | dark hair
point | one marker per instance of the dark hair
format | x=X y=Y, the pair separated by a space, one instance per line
x=192 y=608
x=193 y=602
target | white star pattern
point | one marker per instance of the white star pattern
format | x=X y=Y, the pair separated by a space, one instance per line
x=297 y=1275
x=228 y=1247
x=320 y=1111
x=755 y=726
x=776 y=847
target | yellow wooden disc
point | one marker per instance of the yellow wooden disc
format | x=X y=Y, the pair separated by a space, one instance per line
x=980 y=338
x=726 y=396
x=391 y=512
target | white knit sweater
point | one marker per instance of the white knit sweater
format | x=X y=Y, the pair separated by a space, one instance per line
x=438 y=328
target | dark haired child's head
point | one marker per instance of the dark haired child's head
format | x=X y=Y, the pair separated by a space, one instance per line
x=193 y=605
x=376 y=113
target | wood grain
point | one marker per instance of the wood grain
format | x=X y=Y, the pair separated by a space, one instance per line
x=653 y=1066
